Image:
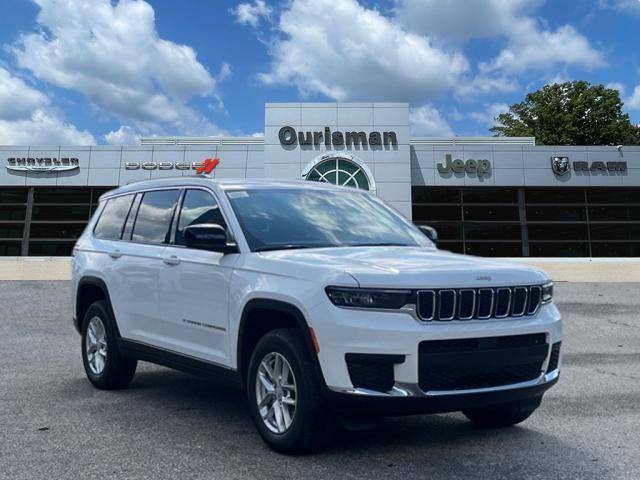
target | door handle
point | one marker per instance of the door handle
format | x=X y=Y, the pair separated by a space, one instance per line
x=172 y=260
x=115 y=254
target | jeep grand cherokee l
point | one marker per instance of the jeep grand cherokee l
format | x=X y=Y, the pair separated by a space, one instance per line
x=317 y=300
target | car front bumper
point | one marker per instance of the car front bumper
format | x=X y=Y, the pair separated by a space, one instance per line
x=395 y=334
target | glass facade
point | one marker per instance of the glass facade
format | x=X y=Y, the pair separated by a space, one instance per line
x=44 y=221
x=533 y=221
x=484 y=221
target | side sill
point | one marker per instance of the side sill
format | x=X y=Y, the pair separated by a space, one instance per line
x=178 y=361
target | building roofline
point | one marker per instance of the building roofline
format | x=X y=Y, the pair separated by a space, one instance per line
x=473 y=140
x=201 y=140
x=413 y=141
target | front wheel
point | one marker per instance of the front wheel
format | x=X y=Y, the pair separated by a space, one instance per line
x=503 y=415
x=284 y=395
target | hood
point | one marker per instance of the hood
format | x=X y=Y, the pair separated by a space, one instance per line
x=410 y=267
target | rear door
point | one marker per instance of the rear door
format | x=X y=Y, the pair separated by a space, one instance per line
x=115 y=258
x=194 y=289
x=140 y=265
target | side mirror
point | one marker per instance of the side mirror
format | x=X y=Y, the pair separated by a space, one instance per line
x=208 y=236
x=429 y=232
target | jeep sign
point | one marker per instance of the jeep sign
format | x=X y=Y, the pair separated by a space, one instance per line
x=470 y=166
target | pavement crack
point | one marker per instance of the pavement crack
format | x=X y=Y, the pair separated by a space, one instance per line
x=618 y=323
x=614 y=374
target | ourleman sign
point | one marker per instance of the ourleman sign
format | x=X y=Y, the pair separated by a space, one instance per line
x=288 y=136
x=42 y=164
x=562 y=165
x=469 y=166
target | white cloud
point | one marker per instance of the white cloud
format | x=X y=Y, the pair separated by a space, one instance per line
x=633 y=102
x=42 y=128
x=532 y=48
x=625 y=6
x=484 y=84
x=461 y=20
x=26 y=118
x=113 y=55
x=616 y=86
x=345 y=51
x=488 y=117
x=251 y=14
x=559 y=77
x=17 y=99
x=530 y=44
x=125 y=135
x=426 y=120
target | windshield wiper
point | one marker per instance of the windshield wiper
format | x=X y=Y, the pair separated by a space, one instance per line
x=267 y=248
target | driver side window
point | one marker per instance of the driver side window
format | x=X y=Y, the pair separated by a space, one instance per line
x=198 y=207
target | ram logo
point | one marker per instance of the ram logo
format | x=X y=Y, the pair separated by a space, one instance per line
x=560 y=165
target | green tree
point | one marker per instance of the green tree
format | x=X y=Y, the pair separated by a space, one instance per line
x=570 y=113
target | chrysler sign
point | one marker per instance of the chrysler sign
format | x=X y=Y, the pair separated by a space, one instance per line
x=42 y=164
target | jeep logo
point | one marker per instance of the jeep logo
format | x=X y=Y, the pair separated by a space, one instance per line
x=470 y=166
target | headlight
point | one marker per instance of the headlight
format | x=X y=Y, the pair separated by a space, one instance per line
x=547 y=293
x=368 y=297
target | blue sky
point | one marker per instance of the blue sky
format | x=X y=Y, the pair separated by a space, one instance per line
x=100 y=71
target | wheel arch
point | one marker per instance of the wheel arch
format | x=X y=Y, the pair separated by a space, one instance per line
x=89 y=290
x=262 y=315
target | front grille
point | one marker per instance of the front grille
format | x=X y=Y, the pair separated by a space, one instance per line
x=470 y=363
x=478 y=303
x=464 y=379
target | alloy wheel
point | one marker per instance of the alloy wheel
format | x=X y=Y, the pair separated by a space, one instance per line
x=96 y=345
x=276 y=392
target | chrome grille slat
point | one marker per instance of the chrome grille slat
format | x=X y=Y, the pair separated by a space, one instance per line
x=508 y=306
x=533 y=301
x=444 y=316
x=484 y=303
x=447 y=304
x=463 y=306
x=519 y=306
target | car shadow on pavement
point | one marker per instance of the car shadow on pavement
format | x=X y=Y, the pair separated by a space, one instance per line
x=441 y=445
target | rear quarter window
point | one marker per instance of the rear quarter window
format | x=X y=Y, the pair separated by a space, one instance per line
x=111 y=221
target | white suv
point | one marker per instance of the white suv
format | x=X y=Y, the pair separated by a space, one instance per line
x=320 y=301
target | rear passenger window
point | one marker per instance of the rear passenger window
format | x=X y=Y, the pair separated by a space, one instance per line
x=198 y=207
x=153 y=221
x=111 y=221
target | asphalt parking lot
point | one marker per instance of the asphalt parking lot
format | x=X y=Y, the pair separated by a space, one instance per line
x=53 y=424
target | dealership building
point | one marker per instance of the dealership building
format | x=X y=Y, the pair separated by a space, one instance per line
x=488 y=196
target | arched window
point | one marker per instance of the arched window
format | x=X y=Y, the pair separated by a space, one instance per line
x=339 y=170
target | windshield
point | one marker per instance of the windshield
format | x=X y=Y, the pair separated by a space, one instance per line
x=274 y=219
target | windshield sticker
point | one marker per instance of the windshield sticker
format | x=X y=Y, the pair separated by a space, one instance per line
x=238 y=194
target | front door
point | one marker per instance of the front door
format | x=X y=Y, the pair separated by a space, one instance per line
x=194 y=287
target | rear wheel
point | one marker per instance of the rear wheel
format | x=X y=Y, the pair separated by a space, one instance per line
x=284 y=395
x=105 y=367
x=503 y=415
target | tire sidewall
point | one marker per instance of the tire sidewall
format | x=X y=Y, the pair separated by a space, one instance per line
x=274 y=342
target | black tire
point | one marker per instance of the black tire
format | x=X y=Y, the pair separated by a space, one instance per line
x=503 y=415
x=118 y=370
x=312 y=424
